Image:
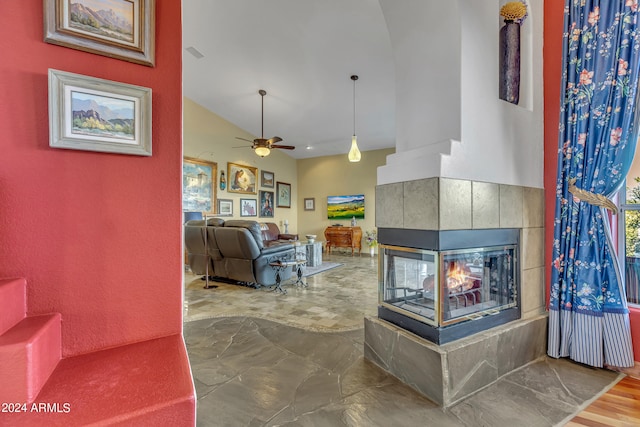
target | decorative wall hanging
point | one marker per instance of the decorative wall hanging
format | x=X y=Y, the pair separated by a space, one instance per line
x=267 y=179
x=225 y=207
x=248 y=207
x=242 y=179
x=198 y=185
x=121 y=29
x=514 y=14
x=266 y=204
x=284 y=195
x=310 y=204
x=223 y=181
x=86 y=113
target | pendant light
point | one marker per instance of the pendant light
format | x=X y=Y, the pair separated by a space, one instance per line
x=354 y=153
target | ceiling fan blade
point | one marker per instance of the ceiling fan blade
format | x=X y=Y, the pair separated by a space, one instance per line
x=284 y=147
x=242 y=146
x=237 y=137
x=274 y=140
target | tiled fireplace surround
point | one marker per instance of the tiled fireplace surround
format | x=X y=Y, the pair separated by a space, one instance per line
x=450 y=372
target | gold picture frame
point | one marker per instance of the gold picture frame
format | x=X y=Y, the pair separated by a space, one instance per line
x=199 y=185
x=78 y=25
x=242 y=179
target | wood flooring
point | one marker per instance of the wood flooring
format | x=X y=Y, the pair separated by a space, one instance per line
x=620 y=406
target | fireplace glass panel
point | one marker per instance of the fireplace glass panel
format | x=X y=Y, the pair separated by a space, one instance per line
x=441 y=288
x=408 y=281
x=477 y=282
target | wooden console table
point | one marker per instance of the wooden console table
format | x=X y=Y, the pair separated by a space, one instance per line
x=343 y=237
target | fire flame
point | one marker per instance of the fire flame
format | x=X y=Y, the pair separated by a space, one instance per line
x=459 y=279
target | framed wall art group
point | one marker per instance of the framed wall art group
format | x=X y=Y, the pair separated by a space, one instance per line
x=91 y=114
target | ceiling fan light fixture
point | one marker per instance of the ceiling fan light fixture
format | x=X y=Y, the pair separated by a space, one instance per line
x=262 y=151
x=354 y=154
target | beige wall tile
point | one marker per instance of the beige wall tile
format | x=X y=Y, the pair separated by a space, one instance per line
x=532 y=247
x=485 y=205
x=532 y=292
x=533 y=207
x=510 y=206
x=421 y=204
x=455 y=204
x=389 y=205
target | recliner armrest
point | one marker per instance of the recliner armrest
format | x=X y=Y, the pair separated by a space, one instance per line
x=274 y=249
x=287 y=237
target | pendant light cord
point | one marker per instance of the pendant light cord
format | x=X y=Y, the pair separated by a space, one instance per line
x=354 y=78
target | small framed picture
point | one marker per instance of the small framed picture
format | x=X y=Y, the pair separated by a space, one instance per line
x=225 y=207
x=267 y=179
x=266 y=204
x=284 y=195
x=310 y=204
x=248 y=207
x=86 y=113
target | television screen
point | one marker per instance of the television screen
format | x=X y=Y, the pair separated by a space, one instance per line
x=345 y=207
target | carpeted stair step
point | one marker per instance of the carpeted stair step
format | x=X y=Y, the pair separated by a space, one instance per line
x=13 y=294
x=141 y=384
x=29 y=352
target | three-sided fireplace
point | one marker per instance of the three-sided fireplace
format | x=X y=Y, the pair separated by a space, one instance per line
x=445 y=285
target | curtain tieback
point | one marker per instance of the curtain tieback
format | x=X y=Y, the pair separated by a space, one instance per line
x=591 y=198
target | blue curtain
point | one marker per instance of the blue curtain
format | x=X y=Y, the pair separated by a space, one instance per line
x=588 y=315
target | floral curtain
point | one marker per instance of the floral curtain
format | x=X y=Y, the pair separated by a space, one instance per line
x=588 y=315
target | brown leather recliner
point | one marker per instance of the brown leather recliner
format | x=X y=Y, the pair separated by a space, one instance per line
x=271 y=234
x=199 y=246
x=236 y=251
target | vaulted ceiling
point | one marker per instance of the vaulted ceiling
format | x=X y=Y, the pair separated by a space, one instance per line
x=302 y=53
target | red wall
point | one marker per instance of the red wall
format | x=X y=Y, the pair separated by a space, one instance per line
x=96 y=235
x=553 y=27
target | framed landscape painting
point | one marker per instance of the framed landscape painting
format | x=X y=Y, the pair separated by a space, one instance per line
x=225 y=207
x=267 y=179
x=241 y=179
x=122 y=29
x=86 y=113
x=284 y=195
x=198 y=185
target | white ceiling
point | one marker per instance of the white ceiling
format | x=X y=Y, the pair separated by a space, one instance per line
x=302 y=52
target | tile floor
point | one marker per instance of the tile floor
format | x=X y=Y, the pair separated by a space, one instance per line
x=261 y=358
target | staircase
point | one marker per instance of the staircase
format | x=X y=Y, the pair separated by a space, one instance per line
x=30 y=346
x=144 y=383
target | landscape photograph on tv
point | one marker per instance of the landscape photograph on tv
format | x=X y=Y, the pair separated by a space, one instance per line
x=345 y=207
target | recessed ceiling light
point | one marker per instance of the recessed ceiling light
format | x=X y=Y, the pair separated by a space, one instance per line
x=308 y=147
x=195 y=52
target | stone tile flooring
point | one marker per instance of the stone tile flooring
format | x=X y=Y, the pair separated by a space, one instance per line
x=335 y=300
x=265 y=359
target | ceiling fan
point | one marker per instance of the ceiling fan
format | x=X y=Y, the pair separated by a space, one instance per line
x=261 y=146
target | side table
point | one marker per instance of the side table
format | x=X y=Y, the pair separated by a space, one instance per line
x=280 y=265
x=314 y=253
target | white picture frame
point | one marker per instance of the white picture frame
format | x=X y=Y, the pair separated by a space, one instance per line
x=121 y=124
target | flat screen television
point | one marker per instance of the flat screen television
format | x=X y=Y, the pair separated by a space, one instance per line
x=345 y=207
